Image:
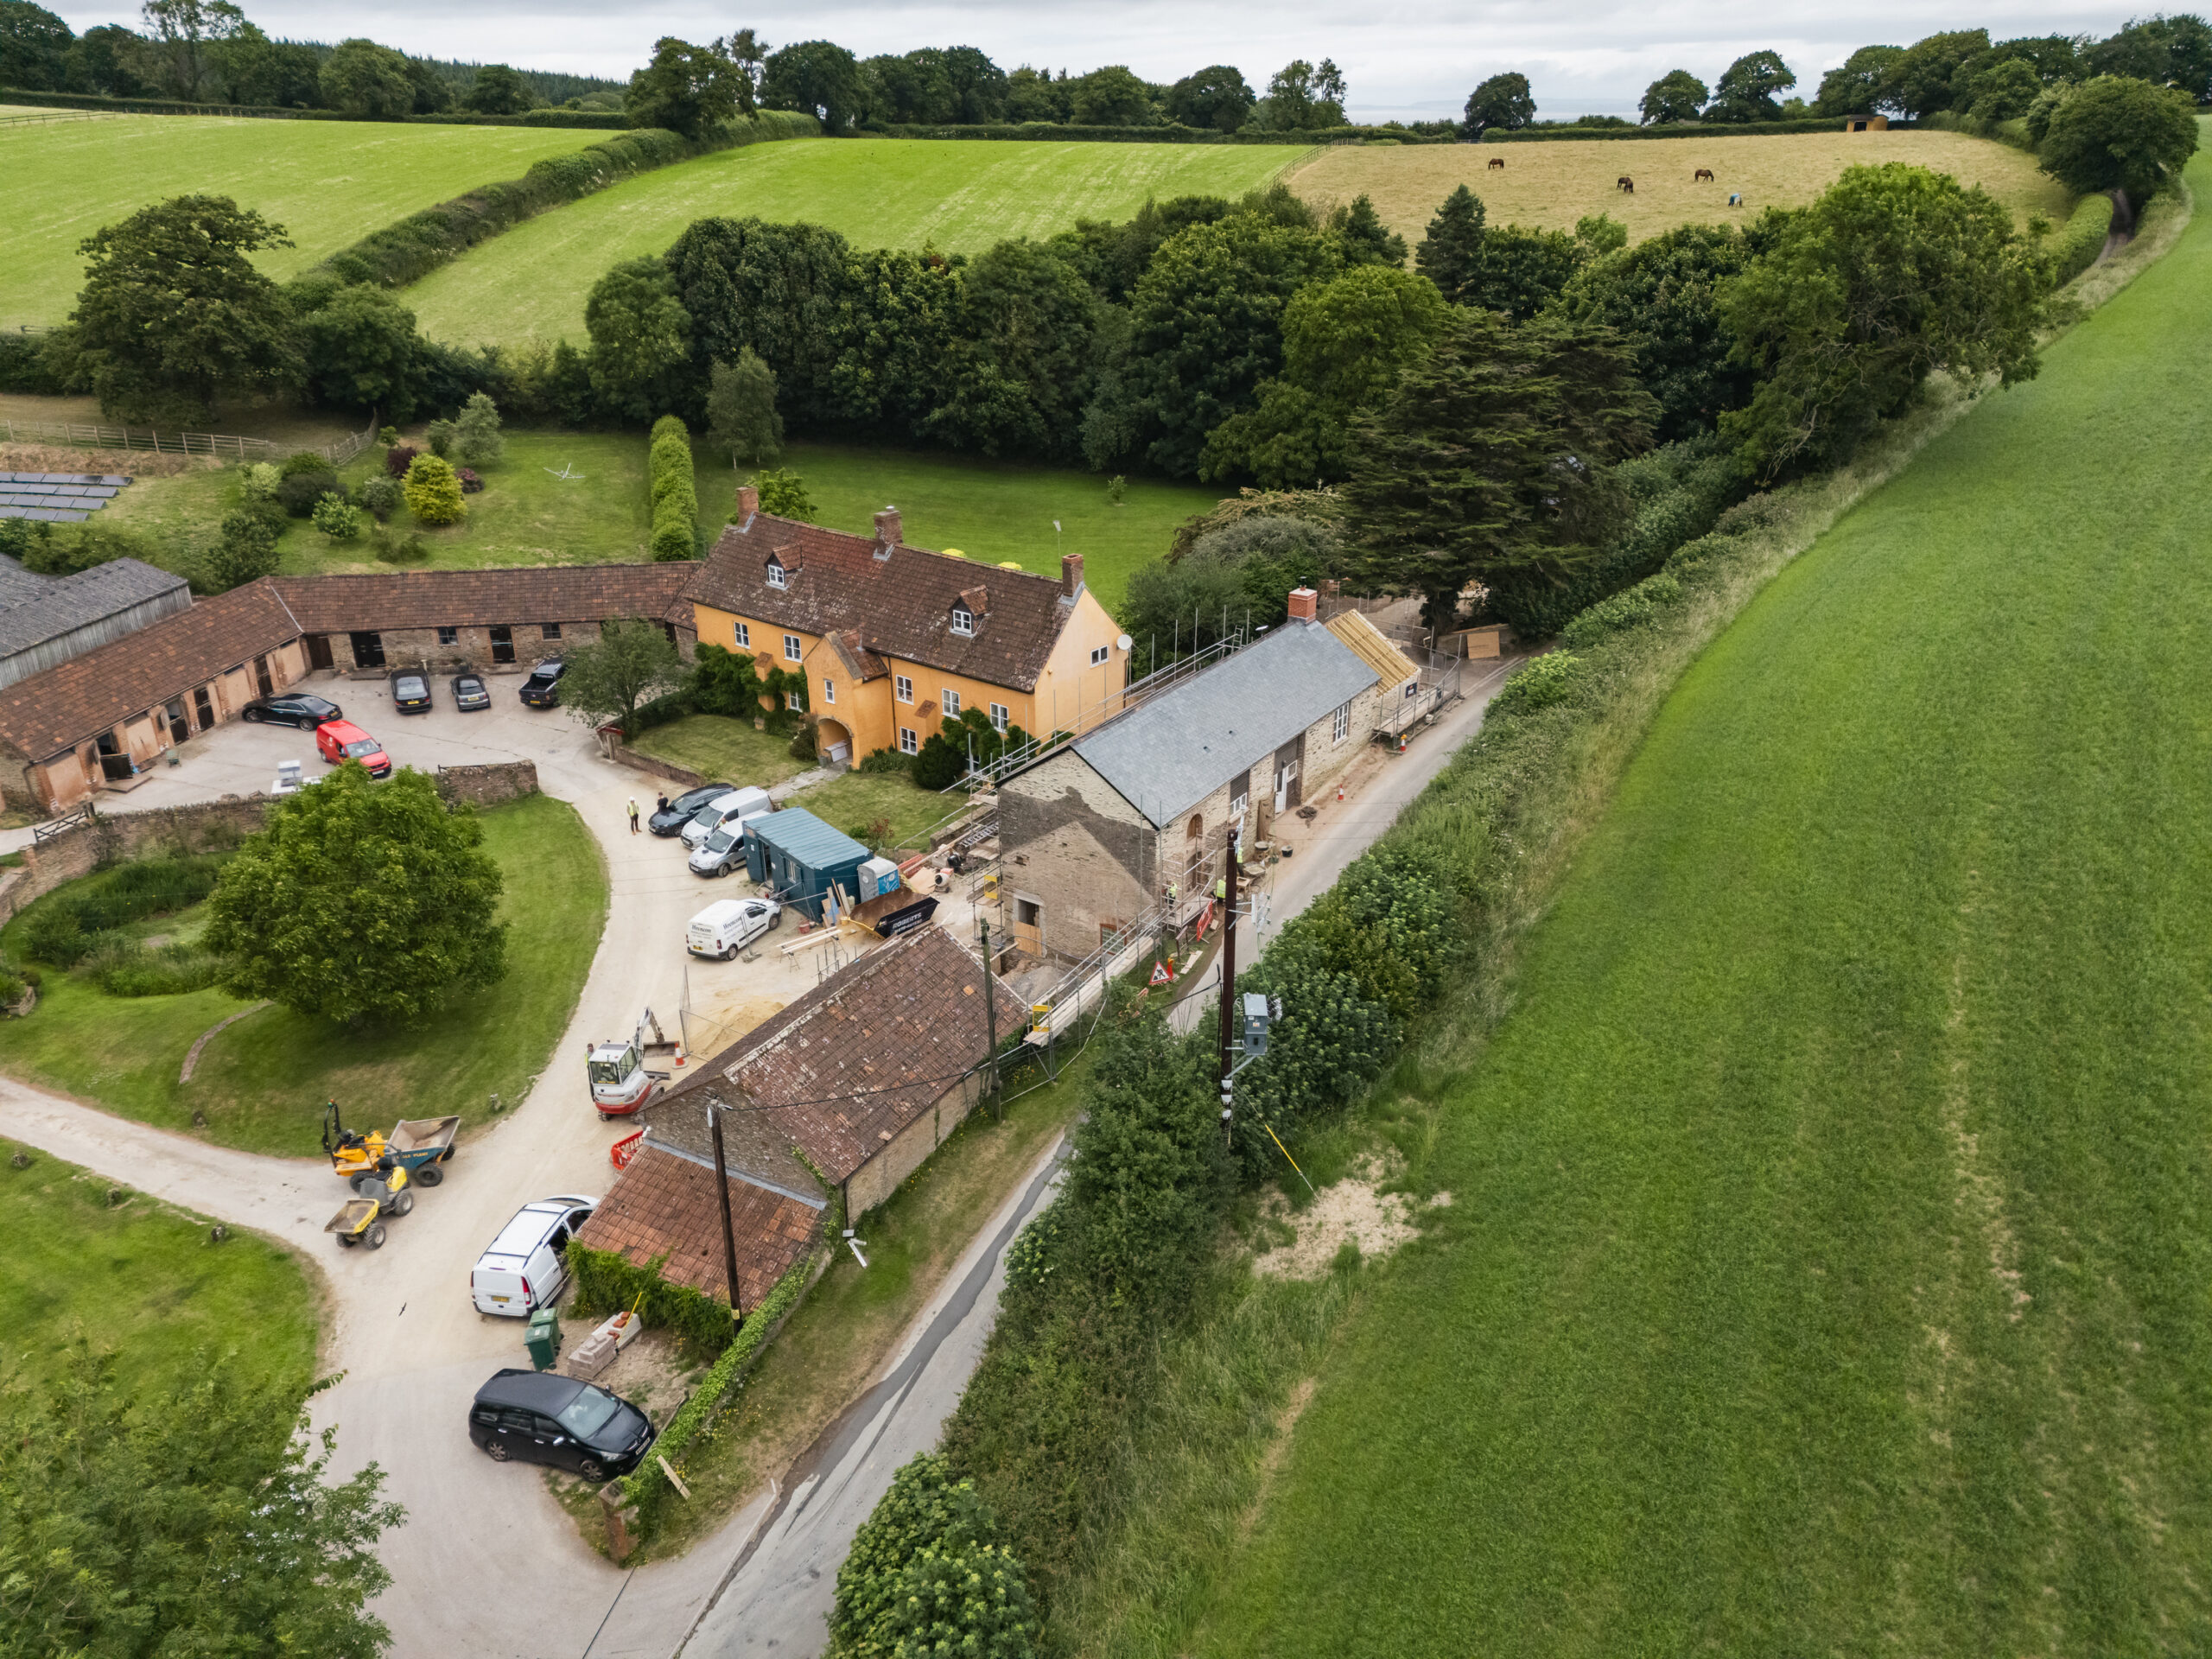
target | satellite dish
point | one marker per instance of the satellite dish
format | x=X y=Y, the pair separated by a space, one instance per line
x=1123 y=643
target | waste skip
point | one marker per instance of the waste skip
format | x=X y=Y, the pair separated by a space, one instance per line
x=543 y=1338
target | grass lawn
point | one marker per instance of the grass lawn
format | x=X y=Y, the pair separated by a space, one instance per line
x=1826 y=1267
x=261 y=1083
x=1551 y=185
x=326 y=182
x=883 y=192
x=720 y=748
x=142 y=1279
x=994 y=511
x=858 y=799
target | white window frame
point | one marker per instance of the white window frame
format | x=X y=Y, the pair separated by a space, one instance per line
x=743 y=636
x=963 y=622
x=1099 y=654
x=794 y=650
x=907 y=744
x=829 y=691
x=999 y=718
x=950 y=702
x=775 y=575
x=1340 y=723
x=1237 y=805
x=902 y=688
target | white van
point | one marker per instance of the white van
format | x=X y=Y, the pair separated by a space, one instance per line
x=727 y=926
x=523 y=1269
x=733 y=808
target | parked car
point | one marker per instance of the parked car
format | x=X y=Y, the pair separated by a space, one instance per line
x=522 y=1269
x=722 y=851
x=671 y=819
x=543 y=1417
x=469 y=693
x=292 y=708
x=733 y=808
x=339 y=741
x=727 y=925
x=542 y=689
x=410 y=691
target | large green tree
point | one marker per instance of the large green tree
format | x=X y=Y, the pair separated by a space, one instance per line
x=1494 y=457
x=1893 y=274
x=1453 y=247
x=1664 y=297
x=894 y=331
x=1301 y=97
x=360 y=346
x=1747 y=89
x=173 y=313
x=1503 y=102
x=199 y=1520
x=1520 y=271
x=606 y=679
x=186 y=37
x=361 y=900
x=361 y=78
x=34 y=47
x=1019 y=372
x=780 y=288
x=2166 y=51
x=819 y=77
x=741 y=410
x=1113 y=96
x=640 y=339
x=1920 y=81
x=1215 y=97
x=2126 y=138
x=1860 y=85
x=1677 y=95
x=497 y=90
x=689 y=89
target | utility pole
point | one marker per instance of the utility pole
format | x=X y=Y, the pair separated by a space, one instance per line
x=729 y=1234
x=1228 y=984
x=991 y=1024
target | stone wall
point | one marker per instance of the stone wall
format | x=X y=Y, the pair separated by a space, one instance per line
x=210 y=826
x=623 y=755
x=1075 y=849
x=487 y=785
x=875 y=1181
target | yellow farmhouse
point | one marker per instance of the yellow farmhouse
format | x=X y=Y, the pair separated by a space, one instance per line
x=894 y=639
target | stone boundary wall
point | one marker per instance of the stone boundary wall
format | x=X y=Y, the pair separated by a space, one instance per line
x=489 y=785
x=207 y=826
x=622 y=755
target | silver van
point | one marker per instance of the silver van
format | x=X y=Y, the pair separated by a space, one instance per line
x=731 y=809
x=522 y=1269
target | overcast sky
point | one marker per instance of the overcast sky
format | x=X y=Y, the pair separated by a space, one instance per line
x=1402 y=60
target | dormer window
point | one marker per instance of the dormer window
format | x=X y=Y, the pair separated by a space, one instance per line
x=963 y=622
x=775 y=574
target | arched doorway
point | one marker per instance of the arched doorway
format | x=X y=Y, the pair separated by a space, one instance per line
x=833 y=742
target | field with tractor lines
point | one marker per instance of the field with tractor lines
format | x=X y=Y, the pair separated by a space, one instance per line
x=958 y=197
x=1826 y=1265
x=326 y=182
x=1551 y=185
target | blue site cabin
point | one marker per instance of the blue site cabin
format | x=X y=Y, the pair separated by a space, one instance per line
x=797 y=856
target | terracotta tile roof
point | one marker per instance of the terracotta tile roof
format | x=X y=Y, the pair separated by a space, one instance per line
x=489 y=598
x=663 y=1206
x=867 y=1052
x=898 y=599
x=46 y=713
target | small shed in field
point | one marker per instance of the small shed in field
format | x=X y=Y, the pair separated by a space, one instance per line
x=1866 y=123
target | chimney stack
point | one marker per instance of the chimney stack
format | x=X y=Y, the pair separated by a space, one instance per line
x=1070 y=574
x=886 y=527
x=1303 y=605
x=748 y=503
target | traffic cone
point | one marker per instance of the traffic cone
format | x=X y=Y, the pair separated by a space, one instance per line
x=679 y=1051
x=1341 y=794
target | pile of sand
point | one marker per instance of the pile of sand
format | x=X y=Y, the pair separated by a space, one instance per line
x=1350 y=1211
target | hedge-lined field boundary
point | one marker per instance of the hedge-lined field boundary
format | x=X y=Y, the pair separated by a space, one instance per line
x=1049 y=132
x=1682 y=130
x=592 y=119
x=410 y=250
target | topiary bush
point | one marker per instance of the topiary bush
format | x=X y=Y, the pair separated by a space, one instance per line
x=245 y=552
x=674 y=490
x=434 y=491
x=477 y=441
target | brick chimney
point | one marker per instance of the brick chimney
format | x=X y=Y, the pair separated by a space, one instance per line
x=886 y=527
x=748 y=503
x=1304 y=606
x=1070 y=574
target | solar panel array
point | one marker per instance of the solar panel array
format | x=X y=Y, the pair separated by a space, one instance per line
x=57 y=498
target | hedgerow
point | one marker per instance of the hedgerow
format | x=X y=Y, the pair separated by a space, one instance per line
x=675 y=492
x=927 y=1566
x=2084 y=239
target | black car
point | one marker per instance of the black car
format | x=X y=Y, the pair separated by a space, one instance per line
x=292 y=708
x=468 y=693
x=542 y=689
x=543 y=1417
x=410 y=691
x=669 y=820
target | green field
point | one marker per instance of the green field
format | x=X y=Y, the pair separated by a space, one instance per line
x=890 y=193
x=261 y=1083
x=1827 y=1265
x=142 y=1279
x=326 y=182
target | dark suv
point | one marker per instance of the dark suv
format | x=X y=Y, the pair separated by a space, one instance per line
x=542 y=689
x=543 y=1417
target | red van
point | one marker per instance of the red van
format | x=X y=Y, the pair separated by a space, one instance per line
x=341 y=739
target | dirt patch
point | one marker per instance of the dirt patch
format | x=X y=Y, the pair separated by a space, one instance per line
x=1352 y=1211
x=1278 y=1449
x=129 y=463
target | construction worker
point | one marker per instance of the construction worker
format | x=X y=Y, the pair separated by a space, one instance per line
x=633 y=815
x=1173 y=893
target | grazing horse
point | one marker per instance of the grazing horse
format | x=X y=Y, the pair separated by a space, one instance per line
x=1705 y=173
x=1626 y=183
x=1497 y=161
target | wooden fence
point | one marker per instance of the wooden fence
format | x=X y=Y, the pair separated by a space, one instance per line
x=69 y=434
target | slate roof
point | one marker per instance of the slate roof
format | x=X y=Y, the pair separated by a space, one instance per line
x=846 y=1067
x=18 y=584
x=43 y=715
x=893 y=601
x=489 y=598
x=1178 y=746
x=62 y=605
x=663 y=1206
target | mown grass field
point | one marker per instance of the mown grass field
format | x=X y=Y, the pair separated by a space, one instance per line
x=886 y=192
x=262 y=1082
x=1827 y=1265
x=326 y=182
x=1552 y=185
x=141 y=1278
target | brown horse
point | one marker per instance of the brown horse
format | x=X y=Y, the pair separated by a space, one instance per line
x=1705 y=173
x=1497 y=161
x=1626 y=183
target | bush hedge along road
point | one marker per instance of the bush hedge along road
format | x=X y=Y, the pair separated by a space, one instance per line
x=1826 y=1269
